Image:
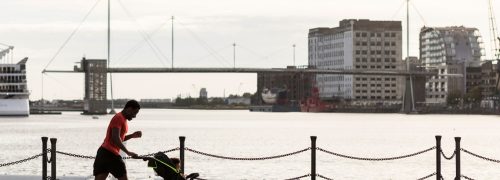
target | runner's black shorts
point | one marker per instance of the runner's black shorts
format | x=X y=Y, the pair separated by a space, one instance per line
x=107 y=162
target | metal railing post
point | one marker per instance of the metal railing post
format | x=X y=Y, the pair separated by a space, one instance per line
x=313 y=157
x=181 y=155
x=53 y=158
x=457 y=162
x=438 y=157
x=44 y=157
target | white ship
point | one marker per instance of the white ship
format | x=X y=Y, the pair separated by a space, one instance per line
x=14 y=94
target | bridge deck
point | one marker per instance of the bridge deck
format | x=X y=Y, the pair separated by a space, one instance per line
x=252 y=70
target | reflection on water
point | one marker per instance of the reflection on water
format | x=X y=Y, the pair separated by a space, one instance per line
x=253 y=134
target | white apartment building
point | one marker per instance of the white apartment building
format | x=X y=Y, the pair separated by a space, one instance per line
x=449 y=50
x=358 y=44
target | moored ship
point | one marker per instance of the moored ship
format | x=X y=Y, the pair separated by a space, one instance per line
x=14 y=94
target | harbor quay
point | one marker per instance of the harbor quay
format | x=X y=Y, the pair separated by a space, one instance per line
x=50 y=157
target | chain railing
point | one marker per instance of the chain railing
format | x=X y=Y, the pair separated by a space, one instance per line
x=468 y=178
x=299 y=177
x=376 y=159
x=439 y=153
x=324 y=177
x=246 y=158
x=426 y=177
x=128 y=157
x=479 y=156
x=448 y=158
x=21 y=161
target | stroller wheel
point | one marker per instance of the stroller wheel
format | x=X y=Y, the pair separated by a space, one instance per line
x=192 y=176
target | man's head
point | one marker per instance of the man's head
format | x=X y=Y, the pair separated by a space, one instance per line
x=131 y=109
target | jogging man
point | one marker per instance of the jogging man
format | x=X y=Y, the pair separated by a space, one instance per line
x=108 y=159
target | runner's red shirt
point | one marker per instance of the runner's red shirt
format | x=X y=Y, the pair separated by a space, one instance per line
x=119 y=121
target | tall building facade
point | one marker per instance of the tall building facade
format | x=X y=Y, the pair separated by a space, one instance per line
x=449 y=50
x=358 y=44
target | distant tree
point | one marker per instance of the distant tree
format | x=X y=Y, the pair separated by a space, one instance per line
x=453 y=97
x=216 y=101
x=247 y=95
x=474 y=95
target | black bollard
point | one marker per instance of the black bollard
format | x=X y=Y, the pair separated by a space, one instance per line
x=438 y=158
x=53 y=158
x=44 y=157
x=313 y=157
x=181 y=155
x=457 y=156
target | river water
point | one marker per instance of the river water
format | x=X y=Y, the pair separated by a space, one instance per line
x=239 y=133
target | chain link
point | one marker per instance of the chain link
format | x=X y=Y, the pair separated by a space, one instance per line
x=479 y=156
x=428 y=176
x=21 y=161
x=323 y=177
x=449 y=158
x=152 y=154
x=299 y=177
x=376 y=159
x=247 y=159
x=93 y=157
x=468 y=178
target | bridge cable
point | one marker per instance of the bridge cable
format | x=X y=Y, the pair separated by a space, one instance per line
x=210 y=54
x=218 y=57
x=72 y=34
x=418 y=12
x=399 y=9
x=151 y=44
x=137 y=46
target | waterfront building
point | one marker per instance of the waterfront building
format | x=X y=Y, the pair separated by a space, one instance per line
x=296 y=85
x=361 y=45
x=449 y=50
x=203 y=93
x=489 y=79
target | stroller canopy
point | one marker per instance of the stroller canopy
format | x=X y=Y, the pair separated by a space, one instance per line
x=164 y=167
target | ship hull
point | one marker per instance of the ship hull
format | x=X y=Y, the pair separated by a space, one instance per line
x=14 y=107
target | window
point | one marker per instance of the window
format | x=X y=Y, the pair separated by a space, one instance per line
x=393 y=43
x=393 y=34
x=357 y=34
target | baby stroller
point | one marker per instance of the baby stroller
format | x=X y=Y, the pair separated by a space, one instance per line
x=165 y=168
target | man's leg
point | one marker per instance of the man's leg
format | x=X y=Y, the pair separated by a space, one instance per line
x=101 y=176
x=123 y=178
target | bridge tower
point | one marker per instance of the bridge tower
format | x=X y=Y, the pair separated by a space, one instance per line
x=95 y=100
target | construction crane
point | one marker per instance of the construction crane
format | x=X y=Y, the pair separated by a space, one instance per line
x=495 y=53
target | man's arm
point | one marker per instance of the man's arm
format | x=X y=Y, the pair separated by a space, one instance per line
x=115 y=136
x=136 y=134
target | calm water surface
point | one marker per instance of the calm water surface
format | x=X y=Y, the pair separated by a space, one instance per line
x=252 y=134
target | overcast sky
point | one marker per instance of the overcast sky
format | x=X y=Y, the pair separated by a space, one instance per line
x=264 y=31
